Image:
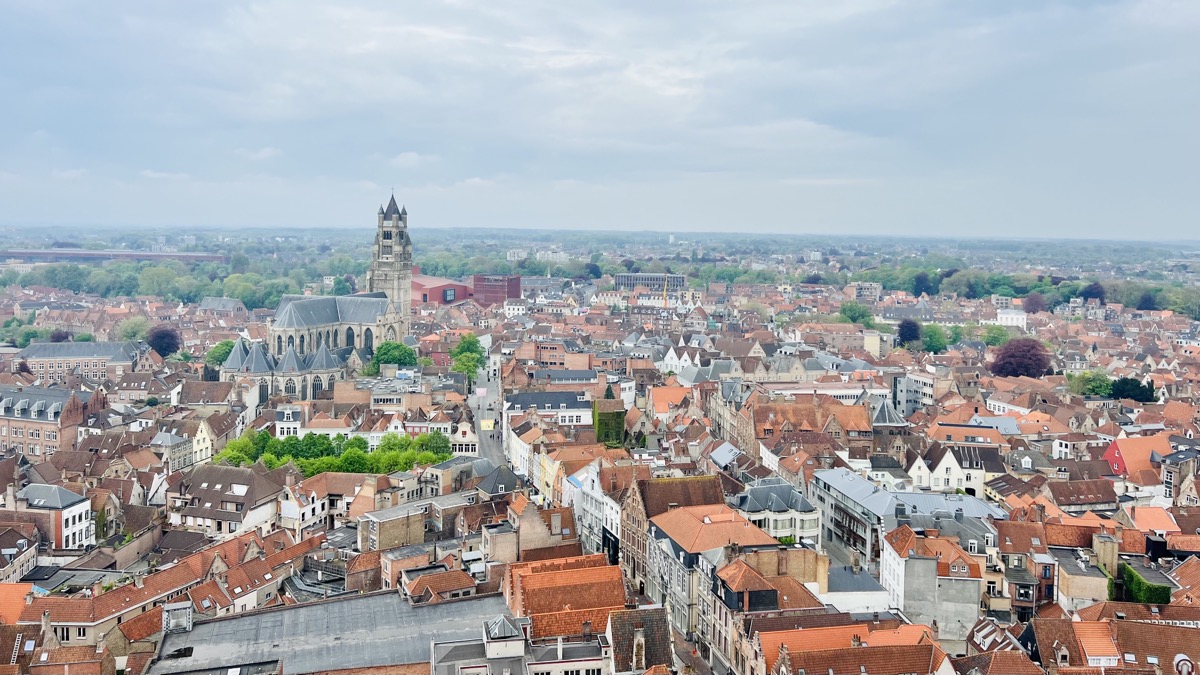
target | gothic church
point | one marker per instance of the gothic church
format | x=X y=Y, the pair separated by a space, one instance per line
x=317 y=340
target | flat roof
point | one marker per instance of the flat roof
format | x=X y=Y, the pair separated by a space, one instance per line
x=361 y=631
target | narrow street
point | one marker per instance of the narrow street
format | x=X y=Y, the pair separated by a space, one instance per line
x=489 y=447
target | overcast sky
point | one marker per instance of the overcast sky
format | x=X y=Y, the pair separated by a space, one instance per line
x=1000 y=118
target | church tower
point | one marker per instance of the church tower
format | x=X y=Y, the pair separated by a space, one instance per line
x=391 y=262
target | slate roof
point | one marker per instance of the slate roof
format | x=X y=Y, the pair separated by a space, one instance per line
x=113 y=351
x=48 y=496
x=36 y=402
x=770 y=494
x=303 y=311
x=652 y=621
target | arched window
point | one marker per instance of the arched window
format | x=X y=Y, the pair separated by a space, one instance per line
x=326 y=338
x=368 y=340
x=335 y=339
x=316 y=386
x=263 y=392
x=390 y=334
x=301 y=344
x=349 y=337
x=291 y=342
x=289 y=387
x=278 y=345
x=303 y=388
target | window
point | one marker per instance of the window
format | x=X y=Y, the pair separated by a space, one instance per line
x=972 y=546
x=1045 y=571
x=81 y=633
x=64 y=633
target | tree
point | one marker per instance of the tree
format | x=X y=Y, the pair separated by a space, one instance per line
x=83 y=337
x=1091 y=383
x=467 y=364
x=996 y=336
x=152 y=401
x=341 y=287
x=1127 y=387
x=856 y=313
x=923 y=285
x=608 y=392
x=1093 y=291
x=934 y=339
x=1034 y=303
x=469 y=344
x=908 y=331
x=435 y=442
x=396 y=353
x=354 y=461
x=1147 y=303
x=219 y=353
x=133 y=328
x=1022 y=357
x=59 y=336
x=164 y=339
x=814 y=279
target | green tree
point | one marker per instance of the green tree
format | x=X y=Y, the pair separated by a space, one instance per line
x=341 y=287
x=395 y=353
x=857 y=313
x=435 y=442
x=133 y=328
x=1128 y=387
x=469 y=344
x=83 y=337
x=1091 y=383
x=219 y=353
x=996 y=336
x=354 y=461
x=934 y=339
x=608 y=392
x=468 y=364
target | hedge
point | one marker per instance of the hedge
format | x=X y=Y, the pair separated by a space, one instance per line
x=1138 y=589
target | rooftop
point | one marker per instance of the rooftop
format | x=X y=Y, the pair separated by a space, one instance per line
x=363 y=631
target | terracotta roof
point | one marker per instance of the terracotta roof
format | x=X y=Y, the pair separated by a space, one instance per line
x=1095 y=639
x=572 y=589
x=739 y=576
x=570 y=622
x=888 y=660
x=143 y=625
x=696 y=529
x=441 y=582
x=1005 y=662
x=12 y=601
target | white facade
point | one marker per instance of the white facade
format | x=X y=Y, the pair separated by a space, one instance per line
x=78 y=530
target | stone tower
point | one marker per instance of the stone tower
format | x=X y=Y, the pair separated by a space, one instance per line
x=391 y=263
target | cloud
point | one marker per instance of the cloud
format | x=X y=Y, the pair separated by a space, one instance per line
x=258 y=155
x=874 y=116
x=411 y=160
x=162 y=175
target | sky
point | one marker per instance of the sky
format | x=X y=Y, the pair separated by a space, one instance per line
x=918 y=117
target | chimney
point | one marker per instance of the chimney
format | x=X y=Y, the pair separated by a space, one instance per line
x=49 y=637
x=289 y=480
x=958 y=514
x=587 y=629
x=560 y=648
x=855 y=640
x=138 y=580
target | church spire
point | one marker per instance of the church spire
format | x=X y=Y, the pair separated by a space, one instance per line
x=392 y=208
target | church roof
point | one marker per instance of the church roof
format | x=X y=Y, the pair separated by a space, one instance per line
x=324 y=359
x=291 y=362
x=392 y=209
x=258 y=360
x=237 y=355
x=304 y=311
